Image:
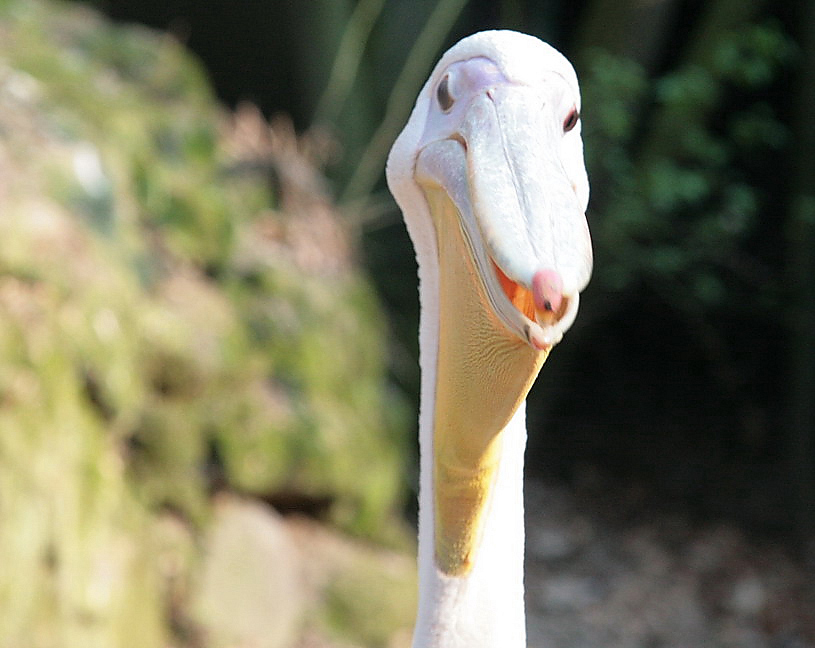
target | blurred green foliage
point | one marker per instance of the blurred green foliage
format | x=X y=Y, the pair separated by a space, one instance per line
x=674 y=204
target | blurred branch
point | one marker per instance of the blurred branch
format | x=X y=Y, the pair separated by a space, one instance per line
x=346 y=63
x=371 y=212
x=401 y=99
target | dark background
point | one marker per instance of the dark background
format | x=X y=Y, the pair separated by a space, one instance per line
x=690 y=373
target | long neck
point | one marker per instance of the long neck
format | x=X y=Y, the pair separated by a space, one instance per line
x=475 y=376
x=485 y=608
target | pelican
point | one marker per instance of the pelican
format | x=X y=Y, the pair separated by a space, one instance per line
x=489 y=175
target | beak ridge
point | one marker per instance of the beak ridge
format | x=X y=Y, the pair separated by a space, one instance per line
x=527 y=211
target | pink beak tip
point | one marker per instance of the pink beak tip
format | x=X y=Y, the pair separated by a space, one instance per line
x=547 y=290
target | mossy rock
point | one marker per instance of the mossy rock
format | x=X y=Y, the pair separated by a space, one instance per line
x=154 y=343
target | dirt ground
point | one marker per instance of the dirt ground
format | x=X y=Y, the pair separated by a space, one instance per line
x=604 y=571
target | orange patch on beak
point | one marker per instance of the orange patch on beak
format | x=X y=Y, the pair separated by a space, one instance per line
x=550 y=304
x=519 y=296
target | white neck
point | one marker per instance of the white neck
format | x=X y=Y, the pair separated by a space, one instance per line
x=485 y=608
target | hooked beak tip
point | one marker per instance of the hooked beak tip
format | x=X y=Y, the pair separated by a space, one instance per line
x=547 y=290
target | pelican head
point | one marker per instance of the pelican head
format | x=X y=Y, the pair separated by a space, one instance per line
x=497 y=129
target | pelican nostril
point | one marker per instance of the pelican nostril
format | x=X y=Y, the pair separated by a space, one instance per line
x=458 y=137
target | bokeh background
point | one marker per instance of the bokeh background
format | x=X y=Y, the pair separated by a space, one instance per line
x=208 y=316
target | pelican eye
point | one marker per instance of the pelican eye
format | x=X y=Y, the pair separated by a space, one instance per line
x=571 y=120
x=443 y=94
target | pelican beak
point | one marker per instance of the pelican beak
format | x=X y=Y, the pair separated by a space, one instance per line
x=513 y=253
x=504 y=170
